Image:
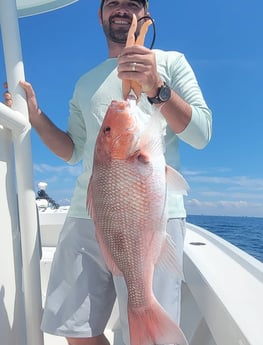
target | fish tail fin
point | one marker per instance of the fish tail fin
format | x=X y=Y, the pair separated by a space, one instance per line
x=152 y=325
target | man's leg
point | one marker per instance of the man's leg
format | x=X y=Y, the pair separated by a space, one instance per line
x=81 y=292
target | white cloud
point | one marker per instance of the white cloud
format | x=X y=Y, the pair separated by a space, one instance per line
x=216 y=194
x=60 y=179
x=242 y=181
x=72 y=170
x=224 y=207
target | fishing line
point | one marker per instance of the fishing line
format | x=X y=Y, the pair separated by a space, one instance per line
x=154 y=29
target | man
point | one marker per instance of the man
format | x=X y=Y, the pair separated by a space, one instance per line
x=81 y=290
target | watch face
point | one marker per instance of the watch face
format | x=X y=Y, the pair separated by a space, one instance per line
x=165 y=93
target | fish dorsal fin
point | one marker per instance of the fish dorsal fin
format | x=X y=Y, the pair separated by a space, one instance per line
x=176 y=182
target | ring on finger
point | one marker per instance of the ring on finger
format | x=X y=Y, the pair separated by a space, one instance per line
x=133 y=66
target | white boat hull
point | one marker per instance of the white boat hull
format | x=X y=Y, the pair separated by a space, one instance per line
x=222 y=295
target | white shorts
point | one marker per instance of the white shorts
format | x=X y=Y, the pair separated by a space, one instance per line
x=81 y=291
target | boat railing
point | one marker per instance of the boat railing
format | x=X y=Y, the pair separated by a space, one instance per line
x=20 y=288
x=19 y=216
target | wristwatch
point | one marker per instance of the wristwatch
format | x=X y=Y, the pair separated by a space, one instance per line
x=163 y=95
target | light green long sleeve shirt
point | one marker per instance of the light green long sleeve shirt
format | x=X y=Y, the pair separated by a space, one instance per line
x=93 y=94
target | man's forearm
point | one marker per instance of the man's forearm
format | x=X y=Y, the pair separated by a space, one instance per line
x=177 y=112
x=54 y=138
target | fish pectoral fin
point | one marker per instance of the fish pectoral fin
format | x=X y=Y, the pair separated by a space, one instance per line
x=168 y=258
x=176 y=182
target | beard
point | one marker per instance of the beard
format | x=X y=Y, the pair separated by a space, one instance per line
x=116 y=35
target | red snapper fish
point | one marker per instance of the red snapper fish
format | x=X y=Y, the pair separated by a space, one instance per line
x=127 y=200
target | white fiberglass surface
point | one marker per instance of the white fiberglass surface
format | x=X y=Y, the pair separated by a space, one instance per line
x=31 y=7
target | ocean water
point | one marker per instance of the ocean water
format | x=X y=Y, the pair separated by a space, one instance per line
x=244 y=232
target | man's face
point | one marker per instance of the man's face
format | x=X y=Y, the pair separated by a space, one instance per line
x=116 y=18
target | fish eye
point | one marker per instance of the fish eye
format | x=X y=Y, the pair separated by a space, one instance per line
x=106 y=130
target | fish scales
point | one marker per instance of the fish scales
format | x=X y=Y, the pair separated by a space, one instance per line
x=121 y=216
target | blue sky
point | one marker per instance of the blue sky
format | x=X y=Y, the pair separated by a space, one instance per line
x=222 y=40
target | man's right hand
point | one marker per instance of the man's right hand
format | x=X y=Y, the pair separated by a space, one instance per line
x=55 y=139
x=33 y=109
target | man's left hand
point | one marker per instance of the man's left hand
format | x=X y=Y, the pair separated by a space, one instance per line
x=139 y=64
